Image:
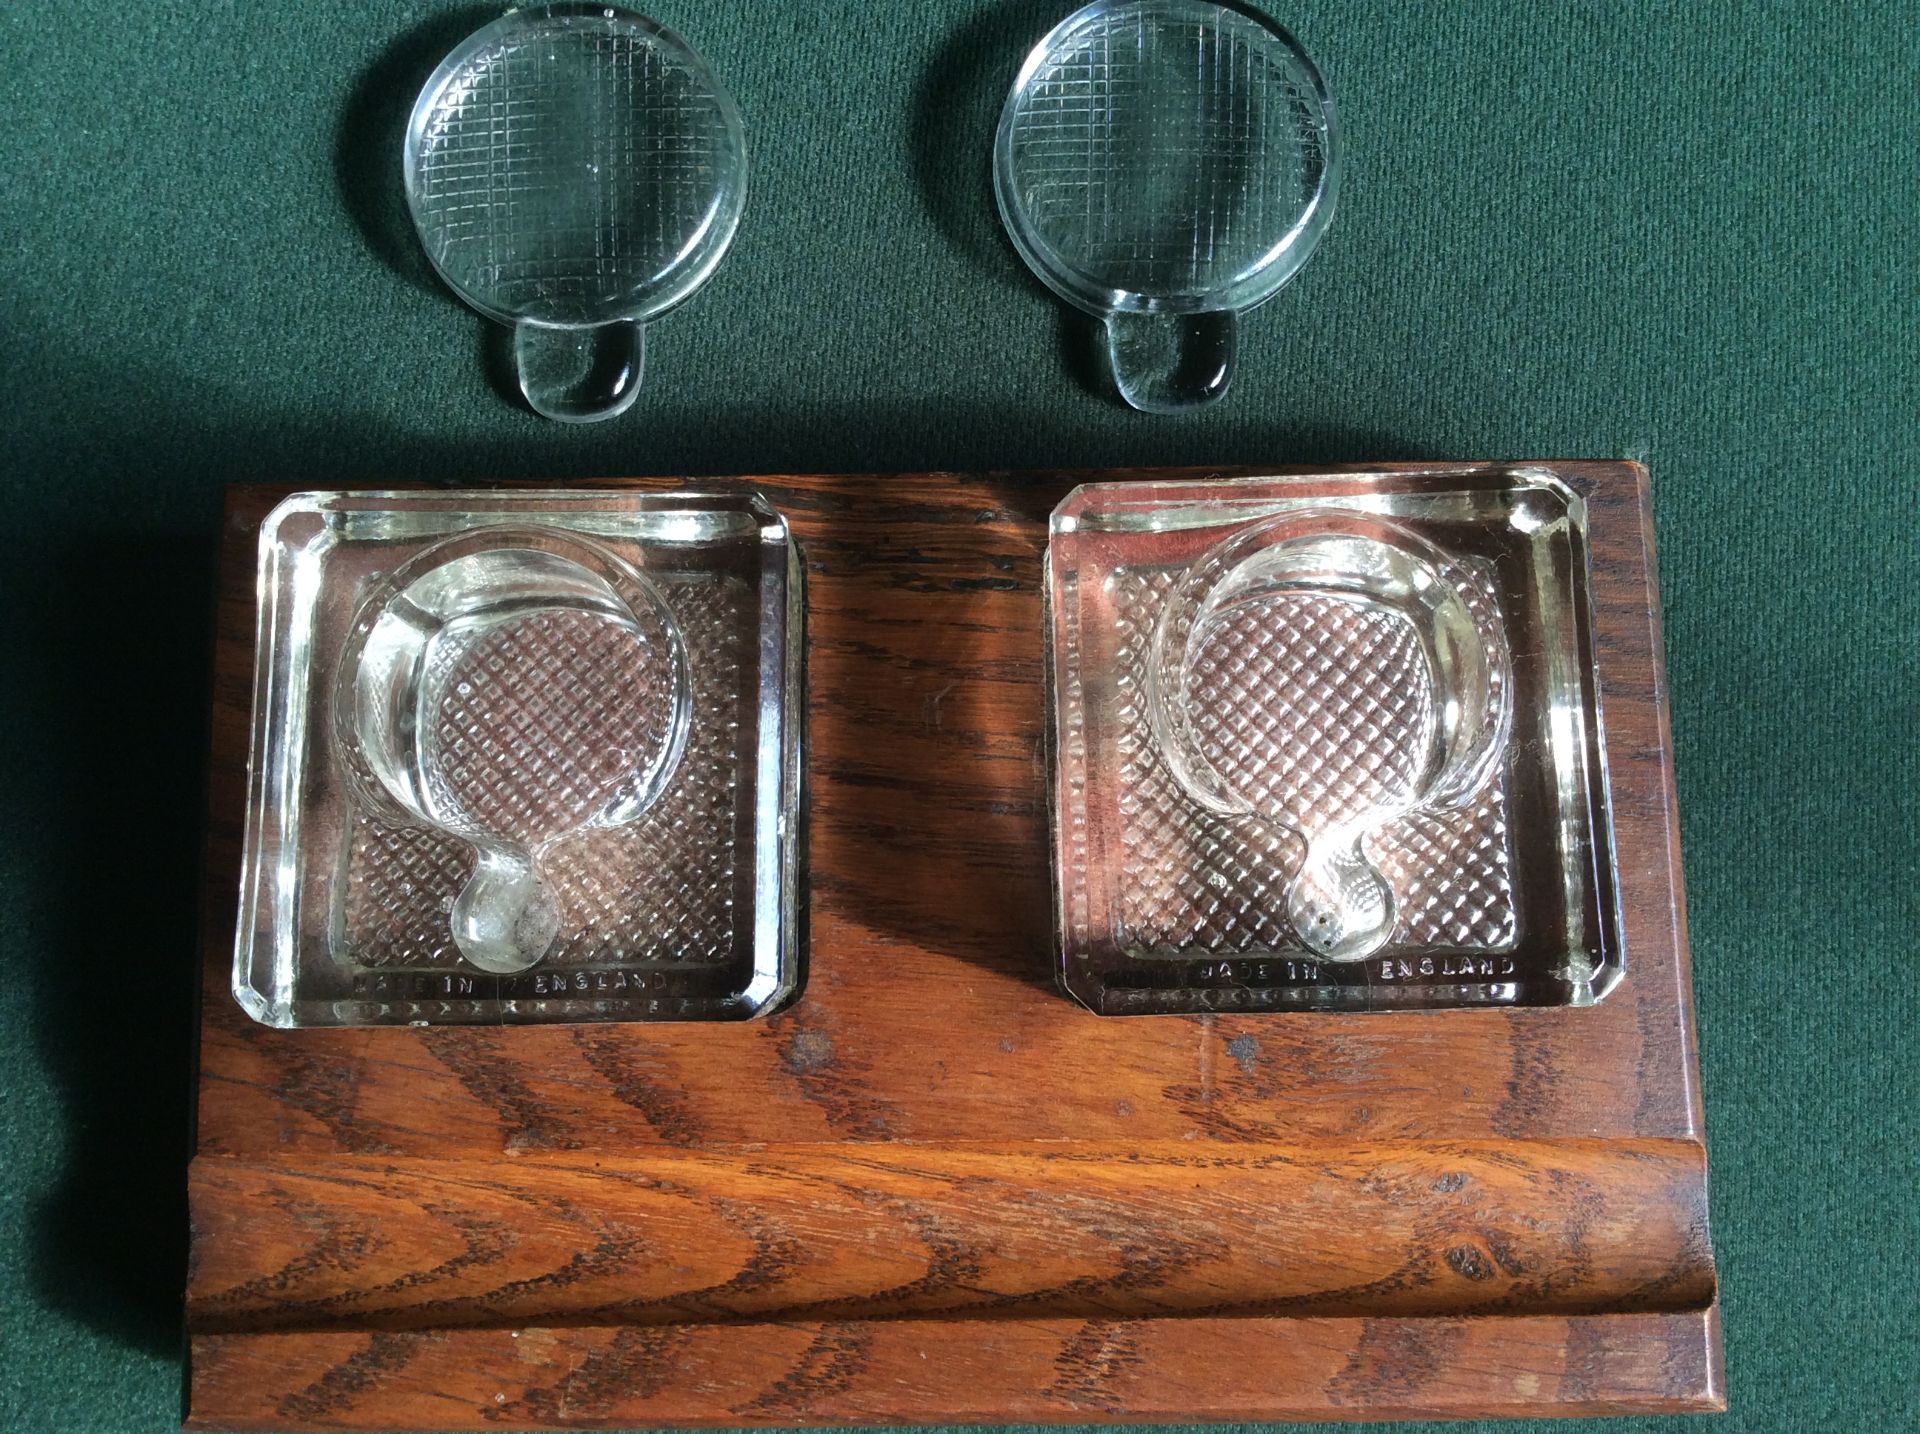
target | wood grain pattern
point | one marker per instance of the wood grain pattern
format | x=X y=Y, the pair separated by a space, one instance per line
x=914 y=1371
x=910 y=1138
x=864 y=1232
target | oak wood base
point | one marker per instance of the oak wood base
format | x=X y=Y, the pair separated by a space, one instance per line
x=936 y=1190
x=959 y=1371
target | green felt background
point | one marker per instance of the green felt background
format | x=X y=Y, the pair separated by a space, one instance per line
x=1681 y=232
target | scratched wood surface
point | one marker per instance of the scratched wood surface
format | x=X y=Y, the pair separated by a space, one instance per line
x=1340 y=1208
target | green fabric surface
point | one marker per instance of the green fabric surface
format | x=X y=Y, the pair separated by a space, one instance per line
x=1685 y=233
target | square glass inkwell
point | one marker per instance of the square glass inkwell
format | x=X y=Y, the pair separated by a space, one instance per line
x=1328 y=741
x=523 y=757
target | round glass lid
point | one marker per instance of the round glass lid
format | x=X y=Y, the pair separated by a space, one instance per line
x=1166 y=165
x=575 y=171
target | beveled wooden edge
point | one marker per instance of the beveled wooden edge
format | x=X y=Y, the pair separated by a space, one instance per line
x=954 y=1371
x=1047 y=1230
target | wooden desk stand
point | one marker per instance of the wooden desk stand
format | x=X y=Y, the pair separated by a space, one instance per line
x=936 y=1189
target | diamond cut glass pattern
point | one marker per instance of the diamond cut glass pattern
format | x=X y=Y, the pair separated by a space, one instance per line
x=1404 y=742
x=523 y=758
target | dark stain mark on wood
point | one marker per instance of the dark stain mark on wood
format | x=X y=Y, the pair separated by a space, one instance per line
x=1585 y=1369
x=834 y=1081
x=1392 y=1362
x=1469 y=1263
x=807 y=1052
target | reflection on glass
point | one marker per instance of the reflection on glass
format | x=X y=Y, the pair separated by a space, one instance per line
x=1167 y=165
x=523 y=757
x=1328 y=742
x=576 y=171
